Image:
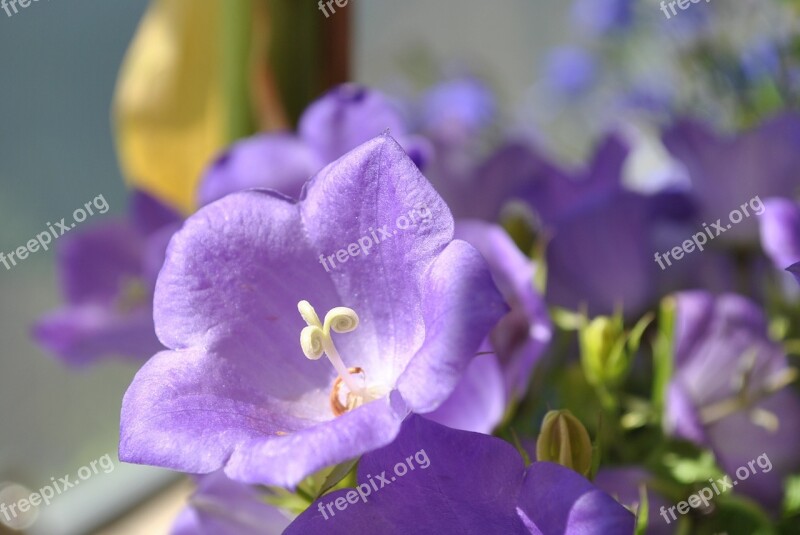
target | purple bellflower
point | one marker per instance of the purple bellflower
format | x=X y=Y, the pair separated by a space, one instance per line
x=239 y=388
x=449 y=481
x=338 y=122
x=727 y=390
x=727 y=172
x=600 y=236
x=107 y=275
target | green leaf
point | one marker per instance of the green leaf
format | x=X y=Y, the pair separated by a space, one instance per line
x=791 y=496
x=337 y=475
x=642 y=512
x=663 y=353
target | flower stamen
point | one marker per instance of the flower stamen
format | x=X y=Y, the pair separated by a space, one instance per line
x=316 y=340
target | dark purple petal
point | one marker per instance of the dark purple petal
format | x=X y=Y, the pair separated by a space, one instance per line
x=601 y=256
x=148 y=214
x=554 y=499
x=469 y=486
x=557 y=194
x=275 y=161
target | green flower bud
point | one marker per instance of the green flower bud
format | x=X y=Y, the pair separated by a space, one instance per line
x=603 y=354
x=564 y=440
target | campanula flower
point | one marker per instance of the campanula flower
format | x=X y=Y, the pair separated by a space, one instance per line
x=727 y=172
x=338 y=122
x=284 y=358
x=727 y=390
x=107 y=274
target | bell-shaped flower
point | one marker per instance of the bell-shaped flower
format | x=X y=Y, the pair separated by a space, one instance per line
x=727 y=172
x=342 y=119
x=107 y=274
x=246 y=384
x=727 y=391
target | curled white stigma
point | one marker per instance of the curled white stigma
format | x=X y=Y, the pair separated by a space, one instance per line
x=316 y=338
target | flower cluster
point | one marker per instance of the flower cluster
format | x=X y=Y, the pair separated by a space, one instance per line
x=523 y=338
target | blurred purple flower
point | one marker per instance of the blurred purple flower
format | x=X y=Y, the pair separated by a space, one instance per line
x=602 y=237
x=570 y=70
x=235 y=390
x=221 y=506
x=729 y=171
x=726 y=392
x=603 y=16
x=338 y=122
x=761 y=59
x=516 y=343
x=458 y=109
x=107 y=275
x=471 y=484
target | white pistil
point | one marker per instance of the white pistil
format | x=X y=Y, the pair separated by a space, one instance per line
x=316 y=339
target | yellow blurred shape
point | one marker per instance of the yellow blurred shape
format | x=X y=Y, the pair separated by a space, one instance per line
x=169 y=107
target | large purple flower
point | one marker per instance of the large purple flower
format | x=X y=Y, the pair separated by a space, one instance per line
x=726 y=391
x=728 y=171
x=107 y=277
x=434 y=480
x=221 y=506
x=339 y=121
x=514 y=345
x=235 y=389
